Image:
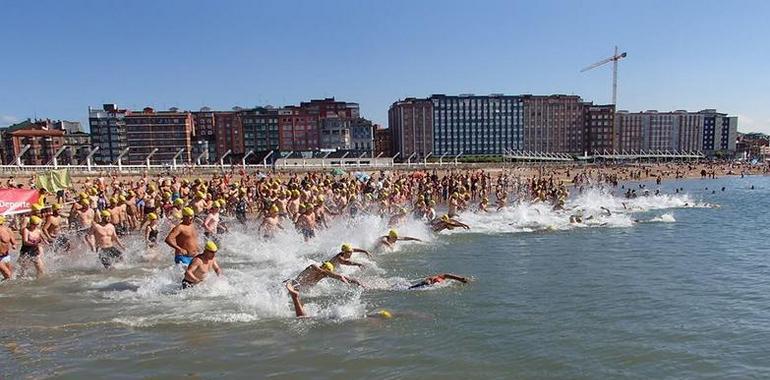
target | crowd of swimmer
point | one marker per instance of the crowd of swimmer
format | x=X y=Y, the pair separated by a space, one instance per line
x=103 y=211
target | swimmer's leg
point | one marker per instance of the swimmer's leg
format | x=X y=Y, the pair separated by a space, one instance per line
x=419 y=285
x=299 y=310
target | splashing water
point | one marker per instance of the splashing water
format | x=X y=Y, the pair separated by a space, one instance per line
x=147 y=288
x=595 y=207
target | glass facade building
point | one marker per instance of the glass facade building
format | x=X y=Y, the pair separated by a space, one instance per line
x=476 y=125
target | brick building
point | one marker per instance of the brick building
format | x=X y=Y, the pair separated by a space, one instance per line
x=410 y=122
x=382 y=141
x=299 y=129
x=554 y=123
x=599 y=128
x=168 y=131
x=41 y=137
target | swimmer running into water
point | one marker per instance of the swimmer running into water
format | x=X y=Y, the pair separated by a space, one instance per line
x=308 y=278
x=201 y=265
x=435 y=279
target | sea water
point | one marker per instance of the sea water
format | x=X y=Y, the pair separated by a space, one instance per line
x=661 y=286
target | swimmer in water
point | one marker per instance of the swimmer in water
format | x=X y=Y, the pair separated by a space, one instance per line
x=447 y=223
x=346 y=252
x=308 y=278
x=392 y=237
x=435 y=279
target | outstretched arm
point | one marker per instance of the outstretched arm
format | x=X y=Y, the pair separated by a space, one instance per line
x=359 y=250
x=408 y=238
x=350 y=263
x=456 y=277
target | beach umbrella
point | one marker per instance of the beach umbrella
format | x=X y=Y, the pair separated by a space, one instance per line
x=361 y=176
x=338 y=171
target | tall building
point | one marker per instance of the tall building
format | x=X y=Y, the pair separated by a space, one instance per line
x=410 y=122
x=168 y=131
x=720 y=132
x=298 y=129
x=108 y=132
x=599 y=128
x=260 y=129
x=361 y=136
x=554 y=123
x=205 y=143
x=382 y=142
x=79 y=144
x=228 y=135
x=628 y=131
x=707 y=131
x=335 y=133
x=41 y=137
x=476 y=125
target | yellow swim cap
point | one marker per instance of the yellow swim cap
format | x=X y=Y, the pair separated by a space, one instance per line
x=274 y=209
x=83 y=194
x=211 y=246
x=56 y=207
x=122 y=198
x=393 y=234
x=106 y=214
x=36 y=207
x=385 y=314
x=85 y=202
x=347 y=248
x=2 y=219
x=215 y=204
x=152 y=216
x=35 y=220
x=188 y=212
x=328 y=266
x=178 y=202
x=200 y=194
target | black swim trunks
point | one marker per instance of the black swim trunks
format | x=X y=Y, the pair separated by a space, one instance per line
x=109 y=256
x=28 y=252
x=187 y=284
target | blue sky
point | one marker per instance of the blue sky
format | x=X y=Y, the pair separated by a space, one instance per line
x=59 y=57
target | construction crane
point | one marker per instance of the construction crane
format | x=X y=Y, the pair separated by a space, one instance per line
x=614 y=59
